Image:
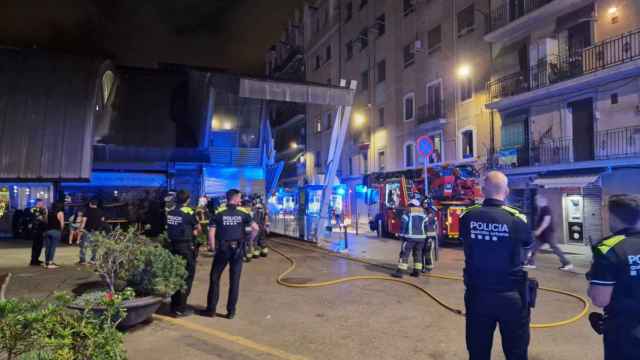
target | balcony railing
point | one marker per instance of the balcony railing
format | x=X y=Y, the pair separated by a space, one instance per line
x=607 y=144
x=431 y=111
x=512 y=10
x=555 y=69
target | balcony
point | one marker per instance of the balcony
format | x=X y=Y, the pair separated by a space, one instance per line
x=556 y=69
x=433 y=114
x=619 y=143
x=509 y=11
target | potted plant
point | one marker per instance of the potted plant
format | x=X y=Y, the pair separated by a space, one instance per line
x=136 y=271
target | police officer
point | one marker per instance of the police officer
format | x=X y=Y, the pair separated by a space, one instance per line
x=261 y=217
x=37 y=227
x=227 y=233
x=432 y=237
x=494 y=235
x=615 y=279
x=414 y=236
x=182 y=228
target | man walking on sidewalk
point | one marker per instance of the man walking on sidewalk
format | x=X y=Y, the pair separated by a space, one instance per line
x=543 y=233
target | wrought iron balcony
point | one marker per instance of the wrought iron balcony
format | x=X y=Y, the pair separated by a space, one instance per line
x=511 y=10
x=555 y=69
x=431 y=112
x=607 y=144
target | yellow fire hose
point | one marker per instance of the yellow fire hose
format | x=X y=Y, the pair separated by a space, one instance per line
x=281 y=281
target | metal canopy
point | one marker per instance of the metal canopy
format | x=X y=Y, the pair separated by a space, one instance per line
x=292 y=92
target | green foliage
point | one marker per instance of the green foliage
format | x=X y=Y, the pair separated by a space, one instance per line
x=34 y=330
x=98 y=297
x=116 y=253
x=157 y=272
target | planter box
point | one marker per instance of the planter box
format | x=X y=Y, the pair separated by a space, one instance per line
x=138 y=310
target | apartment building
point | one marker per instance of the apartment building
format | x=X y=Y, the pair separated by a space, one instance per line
x=421 y=68
x=565 y=91
x=285 y=62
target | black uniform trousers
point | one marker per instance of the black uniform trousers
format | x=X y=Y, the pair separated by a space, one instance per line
x=231 y=254
x=409 y=246
x=485 y=310
x=185 y=251
x=37 y=238
x=621 y=339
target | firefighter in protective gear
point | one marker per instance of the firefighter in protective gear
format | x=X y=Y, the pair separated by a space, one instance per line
x=614 y=279
x=261 y=217
x=182 y=228
x=250 y=243
x=430 y=244
x=202 y=216
x=414 y=236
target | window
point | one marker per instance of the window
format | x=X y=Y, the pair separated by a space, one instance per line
x=326 y=16
x=364 y=39
x=328 y=120
x=317 y=159
x=349 y=12
x=329 y=81
x=349 y=47
x=409 y=155
x=382 y=71
x=409 y=107
x=363 y=3
x=614 y=98
x=364 y=77
x=350 y=166
x=409 y=55
x=408 y=6
x=467 y=143
x=381 y=164
x=328 y=53
x=434 y=100
x=317 y=62
x=381 y=25
x=434 y=37
x=436 y=155
x=466 y=89
x=381 y=117
x=466 y=20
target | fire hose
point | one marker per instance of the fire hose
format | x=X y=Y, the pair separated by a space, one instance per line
x=281 y=280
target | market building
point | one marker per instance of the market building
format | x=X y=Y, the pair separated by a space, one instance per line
x=565 y=86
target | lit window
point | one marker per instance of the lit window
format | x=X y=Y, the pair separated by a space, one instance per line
x=467 y=143
x=381 y=164
x=409 y=155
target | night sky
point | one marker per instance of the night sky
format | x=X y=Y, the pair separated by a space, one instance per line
x=225 y=34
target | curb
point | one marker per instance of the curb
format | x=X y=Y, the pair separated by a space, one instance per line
x=5 y=284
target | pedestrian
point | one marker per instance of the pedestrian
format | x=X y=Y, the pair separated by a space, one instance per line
x=75 y=227
x=37 y=227
x=182 y=229
x=496 y=287
x=94 y=220
x=227 y=234
x=544 y=235
x=55 y=226
x=413 y=235
x=614 y=279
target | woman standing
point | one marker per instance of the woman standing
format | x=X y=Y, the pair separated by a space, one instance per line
x=55 y=225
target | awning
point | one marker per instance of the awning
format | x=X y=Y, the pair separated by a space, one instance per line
x=567 y=181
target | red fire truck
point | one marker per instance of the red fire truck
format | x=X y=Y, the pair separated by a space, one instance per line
x=451 y=190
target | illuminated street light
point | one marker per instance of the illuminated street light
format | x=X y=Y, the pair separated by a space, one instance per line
x=358 y=119
x=293 y=145
x=613 y=10
x=227 y=125
x=464 y=71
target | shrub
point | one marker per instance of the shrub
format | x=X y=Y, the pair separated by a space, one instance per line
x=156 y=271
x=19 y=322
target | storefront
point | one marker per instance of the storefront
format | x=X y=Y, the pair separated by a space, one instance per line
x=15 y=197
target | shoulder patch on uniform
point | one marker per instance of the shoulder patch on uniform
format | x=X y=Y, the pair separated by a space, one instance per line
x=515 y=212
x=465 y=211
x=609 y=243
x=244 y=210
x=221 y=209
x=187 y=210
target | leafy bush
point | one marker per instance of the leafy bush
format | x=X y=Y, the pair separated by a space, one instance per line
x=157 y=272
x=59 y=333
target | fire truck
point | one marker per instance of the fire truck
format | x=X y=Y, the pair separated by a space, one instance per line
x=451 y=190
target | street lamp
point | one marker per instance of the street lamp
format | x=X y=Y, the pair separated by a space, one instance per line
x=359 y=119
x=464 y=71
x=293 y=145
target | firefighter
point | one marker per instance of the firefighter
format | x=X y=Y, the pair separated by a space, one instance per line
x=432 y=237
x=414 y=236
x=227 y=233
x=37 y=226
x=497 y=289
x=182 y=228
x=261 y=217
x=250 y=246
x=202 y=216
x=614 y=280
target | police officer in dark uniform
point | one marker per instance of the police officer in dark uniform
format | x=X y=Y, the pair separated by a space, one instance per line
x=494 y=236
x=182 y=228
x=227 y=234
x=615 y=280
x=37 y=227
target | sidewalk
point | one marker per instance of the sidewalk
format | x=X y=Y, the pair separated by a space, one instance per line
x=384 y=250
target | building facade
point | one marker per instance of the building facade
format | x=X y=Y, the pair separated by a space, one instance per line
x=565 y=90
x=421 y=68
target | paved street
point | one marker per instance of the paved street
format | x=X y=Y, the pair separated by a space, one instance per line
x=368 y=319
